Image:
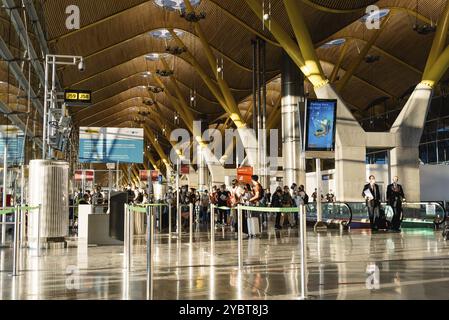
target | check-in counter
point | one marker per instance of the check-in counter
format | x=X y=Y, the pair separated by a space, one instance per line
x=93 y=226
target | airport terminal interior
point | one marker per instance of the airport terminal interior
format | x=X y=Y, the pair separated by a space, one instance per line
x=224 y=150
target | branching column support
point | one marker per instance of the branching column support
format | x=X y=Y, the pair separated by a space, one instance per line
x=408 y=127
x=355 y=64
x=337 y=66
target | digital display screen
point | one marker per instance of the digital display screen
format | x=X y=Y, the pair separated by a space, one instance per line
x=321 y=125
x=77 y=97
x=108 y=145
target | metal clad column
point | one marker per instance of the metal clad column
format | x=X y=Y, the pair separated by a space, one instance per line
x=292 y=91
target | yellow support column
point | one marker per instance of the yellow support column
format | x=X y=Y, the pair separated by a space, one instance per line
x=312 y=63
x=229 y=98
x=439 y=41
x=337 y=66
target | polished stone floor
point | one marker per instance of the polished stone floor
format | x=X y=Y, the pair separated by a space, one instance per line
x=347 y=265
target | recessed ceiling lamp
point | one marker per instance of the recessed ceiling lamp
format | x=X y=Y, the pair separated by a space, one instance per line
x=146 y=74
x=333 y=43
x=173 y=5
x=165 y=33
x=375 y=15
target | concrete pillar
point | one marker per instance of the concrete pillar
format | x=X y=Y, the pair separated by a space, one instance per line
x=350 y=149
x=292 y=91
x=408 y=129
x=202 y=170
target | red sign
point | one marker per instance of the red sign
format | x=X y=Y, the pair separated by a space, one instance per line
x=143 y=175
x=146 y=174
x=155 y=176
x=87 y=174
x=185 y=169
x=244 y=174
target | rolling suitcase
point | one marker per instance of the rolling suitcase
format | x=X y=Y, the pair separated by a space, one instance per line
x=253 y=226
x=382 y=222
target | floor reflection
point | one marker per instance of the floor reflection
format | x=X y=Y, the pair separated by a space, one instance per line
x=348 y=265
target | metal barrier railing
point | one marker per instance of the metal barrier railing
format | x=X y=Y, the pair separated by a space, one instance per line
x=17 y=239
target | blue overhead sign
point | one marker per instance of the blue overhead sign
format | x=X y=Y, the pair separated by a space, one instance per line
x=321 y=125
x=108 y=145
x=14 y=138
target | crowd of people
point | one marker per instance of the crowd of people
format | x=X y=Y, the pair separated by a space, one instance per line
x=253 y=194
x=225 y=199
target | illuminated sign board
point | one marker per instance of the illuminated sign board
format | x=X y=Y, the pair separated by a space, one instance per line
x=77 y=97
x=321 y=125
x=108 y=145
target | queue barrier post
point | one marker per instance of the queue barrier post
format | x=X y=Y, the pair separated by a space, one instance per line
x=178 y=221
x=150 y=250
x=303 y=251
x=169 y=221
x=191 y=222
x=16 y=251
x=212 y=225
x=128 y=237
x=39 y=214
x=240 y=237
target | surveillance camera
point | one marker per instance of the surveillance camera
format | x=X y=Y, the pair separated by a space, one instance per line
x=81 y=66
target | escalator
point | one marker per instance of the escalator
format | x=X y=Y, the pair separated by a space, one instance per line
x=354 y=215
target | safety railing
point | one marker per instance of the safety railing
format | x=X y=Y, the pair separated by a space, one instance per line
x=412 y=212
x=19 y=221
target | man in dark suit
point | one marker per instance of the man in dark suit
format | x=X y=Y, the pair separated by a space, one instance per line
x=395 y=197
x=372 y=196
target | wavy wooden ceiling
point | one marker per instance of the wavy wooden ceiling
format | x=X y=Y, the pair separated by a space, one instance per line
x=114 y=39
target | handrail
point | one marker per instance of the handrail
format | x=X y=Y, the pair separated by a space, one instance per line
x=404 y=205
x=437 y=223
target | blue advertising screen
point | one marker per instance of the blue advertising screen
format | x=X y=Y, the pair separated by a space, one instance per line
x=110 y=145
x=321 y=125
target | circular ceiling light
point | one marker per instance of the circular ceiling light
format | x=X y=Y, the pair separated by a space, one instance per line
x=375 y=15
x=156 y=56
x=165 y=33
x=175 y=4
x=333 y=43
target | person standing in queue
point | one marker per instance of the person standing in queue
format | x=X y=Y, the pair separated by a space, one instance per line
x=372 y=196
x=257 y=190
x=223 y=201
x=276 y=202
x=395 y=198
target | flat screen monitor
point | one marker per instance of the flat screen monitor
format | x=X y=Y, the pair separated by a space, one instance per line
x=321 y=125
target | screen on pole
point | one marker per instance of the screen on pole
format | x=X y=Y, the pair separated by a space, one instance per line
x=106 y=145
x=14 y=138
x=321 y=125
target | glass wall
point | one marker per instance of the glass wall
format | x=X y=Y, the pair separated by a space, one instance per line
x=434 y=147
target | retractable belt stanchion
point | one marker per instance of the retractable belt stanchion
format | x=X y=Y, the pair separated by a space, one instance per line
x=179 y=221
x=303 y=251
x=150 y=251
x=240 y=237
x=128 y=237
x=16 y=252
x=212 y=226
x=39 y=214
x=169 y=220
x=191 y=222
